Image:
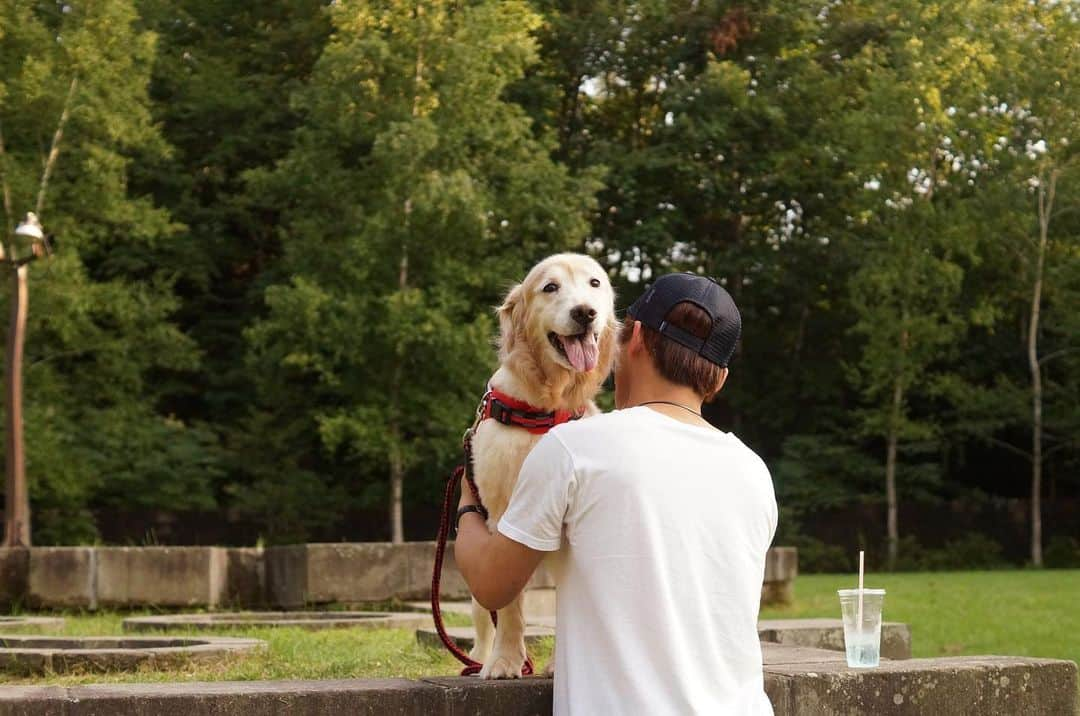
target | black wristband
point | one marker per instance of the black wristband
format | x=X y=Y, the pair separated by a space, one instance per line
x=465 y=510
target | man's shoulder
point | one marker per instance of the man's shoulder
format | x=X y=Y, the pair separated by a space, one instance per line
x=590 y=425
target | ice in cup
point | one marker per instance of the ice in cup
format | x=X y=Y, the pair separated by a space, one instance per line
x=862 y=639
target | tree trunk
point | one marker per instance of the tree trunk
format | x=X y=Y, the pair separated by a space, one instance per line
x=54 y=150
x=1046 y=205
x=17 y=497
x=397 y=485
x=397 y=459
x=5 y=190
x=892 y=529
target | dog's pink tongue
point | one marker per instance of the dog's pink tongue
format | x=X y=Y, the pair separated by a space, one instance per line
x=581 y=351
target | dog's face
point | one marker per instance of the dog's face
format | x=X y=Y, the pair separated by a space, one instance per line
x=564 y=312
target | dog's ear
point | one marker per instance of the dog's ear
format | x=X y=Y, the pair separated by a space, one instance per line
x=608 y=344
x=508 y=314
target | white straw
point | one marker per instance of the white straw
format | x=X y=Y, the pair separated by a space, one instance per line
x=859 y=622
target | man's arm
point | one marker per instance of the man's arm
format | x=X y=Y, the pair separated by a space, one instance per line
x=495 y=567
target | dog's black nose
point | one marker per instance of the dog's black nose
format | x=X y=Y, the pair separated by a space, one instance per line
x=583 y=314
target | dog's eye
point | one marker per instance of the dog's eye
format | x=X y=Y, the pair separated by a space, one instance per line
x=551 y=287
x=595 y=283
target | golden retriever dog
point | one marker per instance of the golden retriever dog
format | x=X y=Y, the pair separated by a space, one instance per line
x=557 y=344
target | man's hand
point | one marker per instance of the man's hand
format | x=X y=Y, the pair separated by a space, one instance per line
x=466 y=494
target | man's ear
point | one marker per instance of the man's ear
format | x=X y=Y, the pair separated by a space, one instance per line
x=637 y=337
x=719 y=385
x=508 y=314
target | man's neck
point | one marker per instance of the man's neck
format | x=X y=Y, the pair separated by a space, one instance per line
x=676 y=401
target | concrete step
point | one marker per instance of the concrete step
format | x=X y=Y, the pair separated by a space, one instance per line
x=829 y=634
x=813 y=633
x=799 y=682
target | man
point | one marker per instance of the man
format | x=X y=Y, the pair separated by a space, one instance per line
x=661 y=521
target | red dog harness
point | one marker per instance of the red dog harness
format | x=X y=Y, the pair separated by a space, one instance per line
x=507 y=410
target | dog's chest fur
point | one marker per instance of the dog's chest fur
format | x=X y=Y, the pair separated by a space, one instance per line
x=498 y=452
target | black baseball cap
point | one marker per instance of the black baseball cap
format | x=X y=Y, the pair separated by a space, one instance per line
x=667 y=292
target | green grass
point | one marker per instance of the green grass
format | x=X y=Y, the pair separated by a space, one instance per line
x=1021 y=613
x=290 y=654
x=1016 y=613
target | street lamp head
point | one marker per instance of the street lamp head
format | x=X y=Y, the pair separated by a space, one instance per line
x=30 y=240
x=30 y=227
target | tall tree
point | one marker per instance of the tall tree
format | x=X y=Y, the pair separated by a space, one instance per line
x=910 y=71
x=75 y=117
x=415 y=193
x=1036 y=200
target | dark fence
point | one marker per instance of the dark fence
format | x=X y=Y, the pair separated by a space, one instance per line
x=1005 y=521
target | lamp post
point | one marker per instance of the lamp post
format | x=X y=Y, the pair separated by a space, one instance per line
x=28 y=243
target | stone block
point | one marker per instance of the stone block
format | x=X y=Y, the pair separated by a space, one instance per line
x=367 y=697
x=986 y=686
x=14 y=575
x=798 y=681
x=468 y=696
x=829 y=634
x=62 y=577
x=356 y=572
x=781 y=564
x=420 y=558
x=286 y=575
x=161 y=576
x=245 y=577
x=781 y=568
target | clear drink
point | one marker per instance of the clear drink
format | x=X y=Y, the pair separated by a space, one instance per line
x=862 y=639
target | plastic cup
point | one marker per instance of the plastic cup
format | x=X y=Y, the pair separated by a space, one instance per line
x=862 y=640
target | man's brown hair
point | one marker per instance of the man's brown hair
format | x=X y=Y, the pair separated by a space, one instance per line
x=675 y=362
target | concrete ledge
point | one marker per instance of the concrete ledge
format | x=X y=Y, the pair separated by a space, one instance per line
x=160 y=576
x=32 y=625
x=352 y=573
x=273 y=698
x=288 y=577
x=245 y=576
x=799 y=681
x=63 y=577
x=781 y=569
x=27 y=655
x=311 y=621
x=454 y=696
x=983 y=685
x=14 y=573
x=829 y=634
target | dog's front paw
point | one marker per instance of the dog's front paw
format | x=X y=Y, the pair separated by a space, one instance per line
x=501 y=666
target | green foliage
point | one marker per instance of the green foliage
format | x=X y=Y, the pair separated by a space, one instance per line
x=816 y=557
x=970 y=551
x=1062 y=553
x=99 y=334
x=431 y=195
x=282 y=227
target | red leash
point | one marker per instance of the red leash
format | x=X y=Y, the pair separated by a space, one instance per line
x=448 y=513
x=507 y=410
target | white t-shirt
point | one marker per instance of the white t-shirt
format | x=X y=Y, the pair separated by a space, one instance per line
x=663 y=529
